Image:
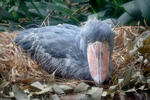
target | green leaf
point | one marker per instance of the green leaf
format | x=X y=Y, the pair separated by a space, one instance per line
x=25 y=9
x=98 y=2
x=59 y=20
x=3 y=28
x=46 y=7
x=144 y=6
x=5 y=15
x=61 y=3
x=1 y=3
x=7 y=1
x=132 y=9
x=11 y=9
x=63 y=10
x=124 y=19
x=36 y=8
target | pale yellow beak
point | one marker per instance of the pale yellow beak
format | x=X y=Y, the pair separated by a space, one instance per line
x=98 y=60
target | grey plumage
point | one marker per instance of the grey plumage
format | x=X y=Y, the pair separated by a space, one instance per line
x=63 y=47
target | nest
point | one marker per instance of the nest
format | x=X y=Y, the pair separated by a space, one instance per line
x=21 y=68
x=14 y=62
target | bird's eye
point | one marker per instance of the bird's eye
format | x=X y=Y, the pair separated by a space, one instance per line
x=102 y=53
x=88 y=40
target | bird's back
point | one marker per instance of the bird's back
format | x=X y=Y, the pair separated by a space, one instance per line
x=56 y=40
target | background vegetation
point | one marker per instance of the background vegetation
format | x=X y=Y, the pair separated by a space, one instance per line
x=18 y=14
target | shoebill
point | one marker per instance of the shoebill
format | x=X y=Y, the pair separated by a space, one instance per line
x=81 y=52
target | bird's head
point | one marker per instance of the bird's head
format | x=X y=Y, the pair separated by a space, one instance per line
x=99 y=40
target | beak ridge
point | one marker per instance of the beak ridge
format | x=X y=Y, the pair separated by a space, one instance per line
x=98 y=61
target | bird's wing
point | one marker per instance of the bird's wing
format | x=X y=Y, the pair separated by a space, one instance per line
x=53 y=47
x=58 y=41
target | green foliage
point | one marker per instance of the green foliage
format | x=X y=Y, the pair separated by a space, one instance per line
x=10 y=5
x=46 y=12
x=108 y=8
x=136 y=9
x=125 y=11
x=25 y=12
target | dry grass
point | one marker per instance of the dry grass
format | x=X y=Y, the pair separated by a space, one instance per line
x=19 y=66
x=121 y=58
